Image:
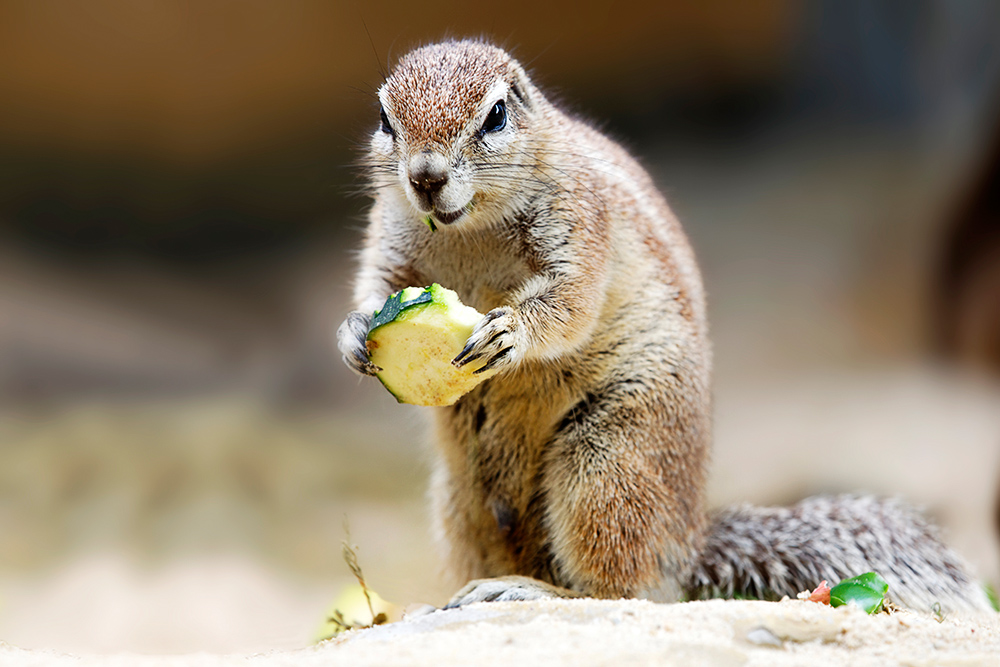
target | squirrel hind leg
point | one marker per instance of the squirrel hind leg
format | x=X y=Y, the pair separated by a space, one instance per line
x=767 y=553
x=507 y=589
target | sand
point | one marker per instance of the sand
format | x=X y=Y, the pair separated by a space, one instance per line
x=624 y=632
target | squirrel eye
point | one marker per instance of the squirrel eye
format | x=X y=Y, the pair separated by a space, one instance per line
x=385 y=122
x=497 y=119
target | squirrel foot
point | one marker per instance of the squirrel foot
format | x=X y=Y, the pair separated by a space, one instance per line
x=507 y=589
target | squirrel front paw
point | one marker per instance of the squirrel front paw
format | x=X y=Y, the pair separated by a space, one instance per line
x=351 y=341
x=493 y=339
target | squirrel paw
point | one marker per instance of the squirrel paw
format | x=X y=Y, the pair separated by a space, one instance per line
x=493 y=339
x=507 y=589
x=351 y=338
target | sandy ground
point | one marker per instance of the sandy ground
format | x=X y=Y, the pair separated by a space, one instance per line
x=594 y=632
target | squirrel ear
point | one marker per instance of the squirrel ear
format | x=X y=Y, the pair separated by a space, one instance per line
x=520 y=86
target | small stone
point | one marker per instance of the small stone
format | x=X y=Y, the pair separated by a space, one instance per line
x=761 y=636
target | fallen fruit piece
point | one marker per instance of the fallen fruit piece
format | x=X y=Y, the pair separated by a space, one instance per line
x=821 y=593
x=413 y=339
x=867 y=591
x=355 y=608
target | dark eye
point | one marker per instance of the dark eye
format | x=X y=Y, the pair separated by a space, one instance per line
x=385 y=122
x=497 y=118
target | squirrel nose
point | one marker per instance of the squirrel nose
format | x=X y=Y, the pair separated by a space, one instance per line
x=428 y=173
x=428 y=184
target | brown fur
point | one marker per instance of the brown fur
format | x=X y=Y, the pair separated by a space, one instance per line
x=583 y=463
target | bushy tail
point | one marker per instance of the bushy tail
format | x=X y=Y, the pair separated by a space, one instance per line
x=769 y=552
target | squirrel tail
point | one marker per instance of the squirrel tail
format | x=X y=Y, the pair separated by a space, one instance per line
x=770 y=552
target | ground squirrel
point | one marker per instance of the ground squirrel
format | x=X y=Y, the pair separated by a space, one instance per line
x=580 y=468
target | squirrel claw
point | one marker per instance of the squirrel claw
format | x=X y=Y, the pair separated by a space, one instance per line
x=463 y=357
x=368 y=368
x=506 y=589
x=494 y=362
x=493 y=338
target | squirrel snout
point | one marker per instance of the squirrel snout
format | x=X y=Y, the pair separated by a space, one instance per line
x=428 y=184
x=428 y=173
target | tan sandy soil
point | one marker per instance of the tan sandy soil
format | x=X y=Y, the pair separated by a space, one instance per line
x=595 y=632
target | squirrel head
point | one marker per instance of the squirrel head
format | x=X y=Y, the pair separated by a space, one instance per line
x=456 y=130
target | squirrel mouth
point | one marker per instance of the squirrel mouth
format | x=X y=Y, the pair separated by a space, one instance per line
x=448 y=218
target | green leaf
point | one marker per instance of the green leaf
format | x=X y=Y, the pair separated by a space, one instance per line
x=871 y=580
x=866 y=590
x=992 y=595
x=429 y=221
x=394 y=305
x=861 y=596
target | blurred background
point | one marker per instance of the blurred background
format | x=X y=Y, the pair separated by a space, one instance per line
x=179 y=442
